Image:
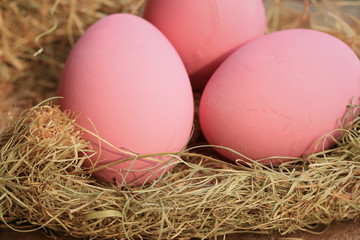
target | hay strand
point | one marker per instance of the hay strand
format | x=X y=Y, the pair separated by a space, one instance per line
x=40 y=183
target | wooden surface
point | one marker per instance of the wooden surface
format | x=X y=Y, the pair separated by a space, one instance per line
x=337 y=231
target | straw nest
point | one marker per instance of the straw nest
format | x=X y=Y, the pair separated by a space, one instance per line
x=42 y=182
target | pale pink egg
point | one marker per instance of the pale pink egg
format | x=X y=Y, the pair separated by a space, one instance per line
x=125 y=76
x=279 y=94
x=205 y=32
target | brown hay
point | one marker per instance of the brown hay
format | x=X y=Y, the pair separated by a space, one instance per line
x=21 y=22
x=42 y=183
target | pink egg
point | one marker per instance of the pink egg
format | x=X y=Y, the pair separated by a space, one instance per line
x=126 y=77
x=205 y=32
x=279 y=94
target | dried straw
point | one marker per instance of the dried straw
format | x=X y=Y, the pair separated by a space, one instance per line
x=21 y=23
x=42 y=183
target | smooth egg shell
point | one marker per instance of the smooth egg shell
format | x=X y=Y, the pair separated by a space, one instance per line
x=126 y=77
x=279 y=94
x=205 y=32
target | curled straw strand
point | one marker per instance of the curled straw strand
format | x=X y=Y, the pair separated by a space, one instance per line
x=52 y=13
